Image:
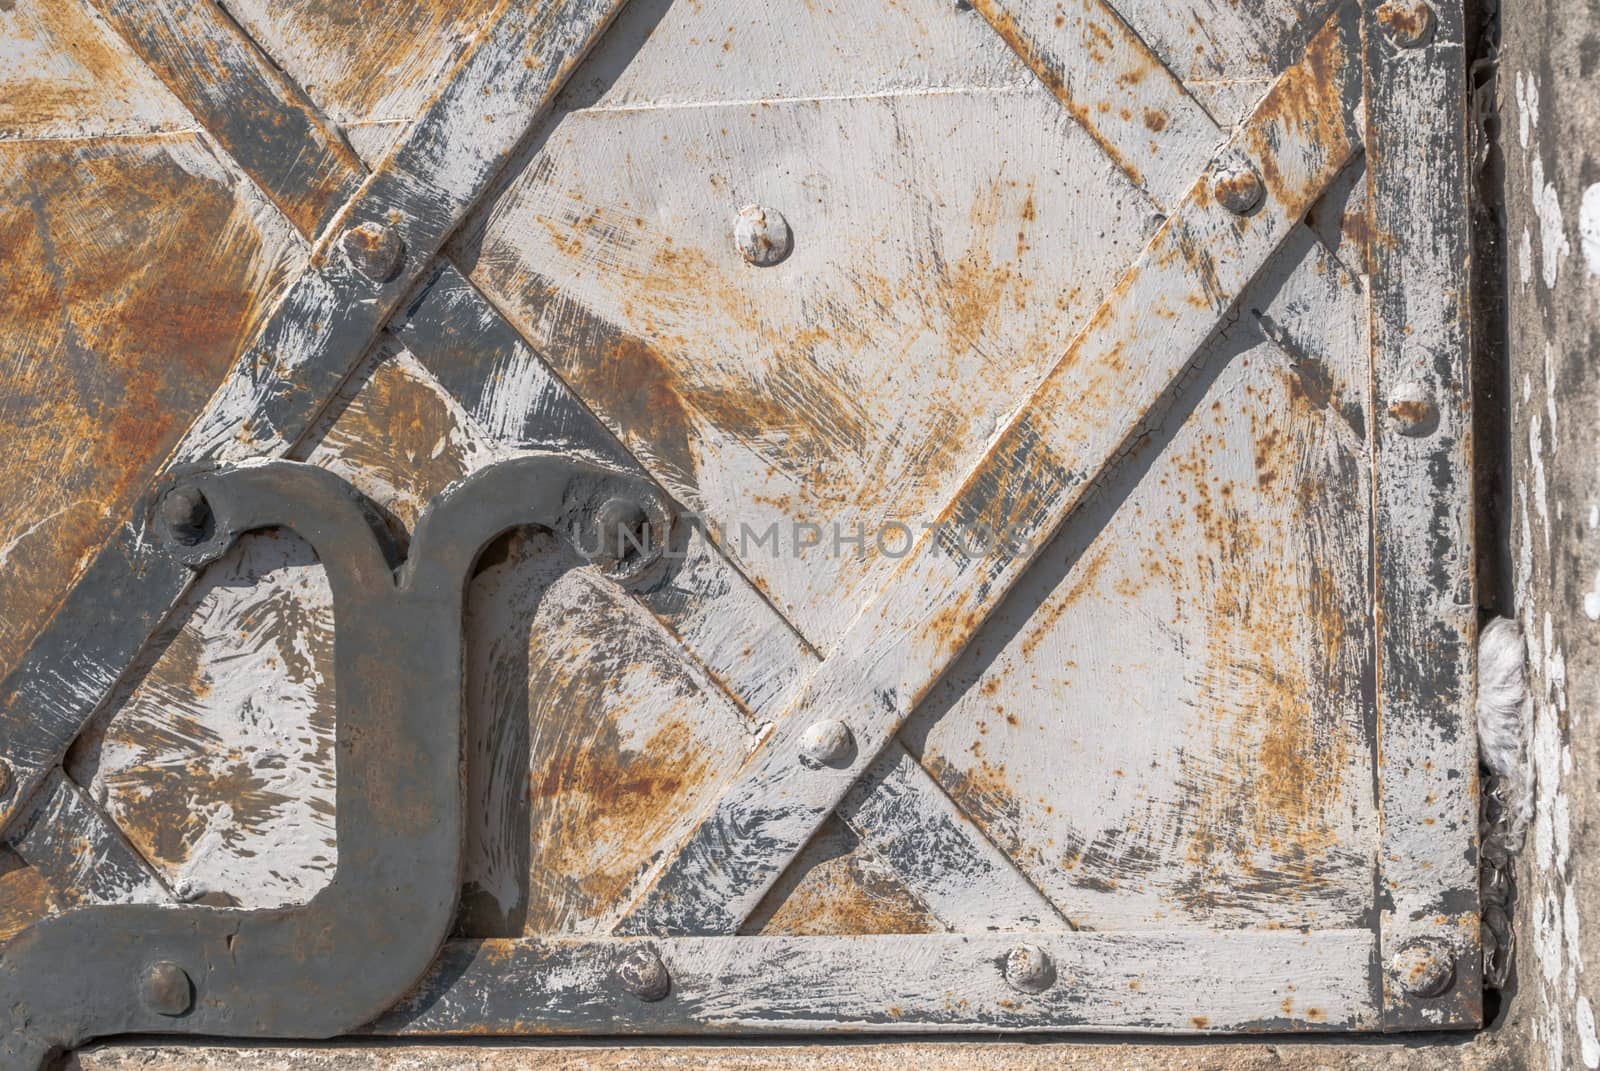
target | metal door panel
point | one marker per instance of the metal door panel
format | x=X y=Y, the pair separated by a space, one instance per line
x=369 y=68
x=1165 y=724
x=126 y=238
x=1124 y=775
x=217 y=765
x=851 y=385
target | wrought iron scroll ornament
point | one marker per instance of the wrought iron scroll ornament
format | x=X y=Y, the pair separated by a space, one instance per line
x=358 y=946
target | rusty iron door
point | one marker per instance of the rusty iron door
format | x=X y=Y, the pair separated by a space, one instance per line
x=734 y=516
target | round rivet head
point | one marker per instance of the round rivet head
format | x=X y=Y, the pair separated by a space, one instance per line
x=186 y=514
x=1424 y=967
x=1029 y=969
x=762 y=235
x=827 y=742
x=1237 y=188
x=623 y=528
x=1412 y=410
x=373 y=249
x=1407 y=23
x=166 y=989
x=643 y=974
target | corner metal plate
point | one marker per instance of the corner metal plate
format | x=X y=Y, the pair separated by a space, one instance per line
x=342 y=959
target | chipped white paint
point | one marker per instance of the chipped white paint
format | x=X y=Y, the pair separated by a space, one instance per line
x=1149 y=983
x=1527 y=107
x=1553 y=243
x=1588 y=1042
x=219 y=764
x=1589 y=228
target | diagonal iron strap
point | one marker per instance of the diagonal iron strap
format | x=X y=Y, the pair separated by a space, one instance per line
x=371 y=255
x=1092 y=61
x=360 y=944
x=1122 y=363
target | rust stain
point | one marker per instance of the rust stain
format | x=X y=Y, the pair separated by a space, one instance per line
x=834 y=888
x=136 y=279
x=1263 y=804
x=363 y=55
x=822 y=404
x=25 y=896
x=1406 y=21
x=1414 y=413
x=393 y=434
x=1305 y=104
x=1054 y=79
x=590 y=743
x=176 y=775
x=87 y=77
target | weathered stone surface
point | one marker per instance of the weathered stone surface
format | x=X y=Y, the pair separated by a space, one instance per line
x=1550 y=118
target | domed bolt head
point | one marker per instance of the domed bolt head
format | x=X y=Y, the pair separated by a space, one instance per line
x=1029 y=969
x=1407 y=23
x=373 y=249
x=1424 y=967
x=186 y=514
x=166 y=989
x=827 y=742
x=1412 y=410
x=643 y=974
x=623 y=529
x=762 y=235
x=1237 y=188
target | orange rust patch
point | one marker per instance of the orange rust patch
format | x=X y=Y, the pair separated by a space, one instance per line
x=1406 y=20
x=353 y=57
x=25 y=896
x=821 y=406
x=1411 y=411
x=1265 y=805
x=1053 y=78
x=393 y=435
x=88 y=80
x=1154 y=120
x=589 y=742
x=834 y=888
x=1307 y=103
x=181 y=781
x=136 y=278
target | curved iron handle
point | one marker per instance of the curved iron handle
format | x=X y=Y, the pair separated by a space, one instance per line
x=360 y=944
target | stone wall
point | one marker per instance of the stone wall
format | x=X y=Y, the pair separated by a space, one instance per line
x=1550 y=134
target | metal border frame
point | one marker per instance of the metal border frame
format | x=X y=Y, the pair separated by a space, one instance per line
x=1426 y=601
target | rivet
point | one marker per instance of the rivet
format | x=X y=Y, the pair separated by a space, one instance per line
x=762 y=235
x=623 y=528
x=166 y=989
x=8 y=779
x=1237 y=187
x=643 y=974
x=1407 y=23
x=186 y=513
x=1029 y=969
x=374 y=249
x=826 y=742
x=1412 y=410
x=1424 y=967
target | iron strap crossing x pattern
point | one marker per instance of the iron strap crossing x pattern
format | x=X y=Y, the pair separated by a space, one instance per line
x=1231 y=202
